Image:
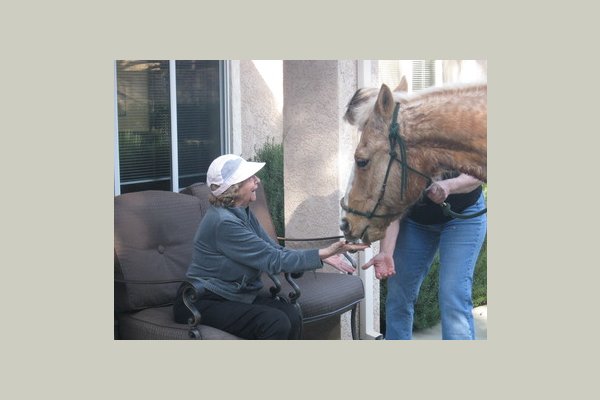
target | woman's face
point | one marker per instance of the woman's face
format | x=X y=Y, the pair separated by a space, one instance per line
x=247 y=191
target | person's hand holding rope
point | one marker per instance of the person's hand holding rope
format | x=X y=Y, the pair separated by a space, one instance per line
x=438 y=191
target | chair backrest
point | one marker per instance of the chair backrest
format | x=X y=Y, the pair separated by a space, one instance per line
x=258 y=207
x=154 y=233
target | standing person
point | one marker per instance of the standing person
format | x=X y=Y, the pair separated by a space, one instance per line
x=408 y=250
x=231 y=250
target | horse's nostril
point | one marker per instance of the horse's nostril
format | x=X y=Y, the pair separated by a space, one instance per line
x=345 y=226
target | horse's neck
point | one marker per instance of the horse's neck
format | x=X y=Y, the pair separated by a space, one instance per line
x=433 y=162
x=447 y=134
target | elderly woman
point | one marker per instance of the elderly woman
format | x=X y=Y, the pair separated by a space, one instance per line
x=231 y=250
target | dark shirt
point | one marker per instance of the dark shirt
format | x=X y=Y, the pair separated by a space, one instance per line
x=427 y=212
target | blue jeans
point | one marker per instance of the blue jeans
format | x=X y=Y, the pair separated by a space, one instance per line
x=459 y=242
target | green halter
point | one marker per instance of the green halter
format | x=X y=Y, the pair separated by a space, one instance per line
x=394 y=138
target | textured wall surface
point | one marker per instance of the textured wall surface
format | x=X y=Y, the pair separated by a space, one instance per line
x=311 y=142
x=261 y=117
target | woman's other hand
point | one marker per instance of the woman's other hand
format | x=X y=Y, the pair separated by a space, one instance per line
x=384 y=265
x=339 y=263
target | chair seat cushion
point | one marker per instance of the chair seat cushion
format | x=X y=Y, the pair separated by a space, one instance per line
x=323 y=294
x=158 y=324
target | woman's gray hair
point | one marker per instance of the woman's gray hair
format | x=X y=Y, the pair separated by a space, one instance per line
x=226 y=199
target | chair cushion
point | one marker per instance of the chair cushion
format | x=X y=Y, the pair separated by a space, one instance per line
x=154 y=233
x=158 y=324
x=323 y=294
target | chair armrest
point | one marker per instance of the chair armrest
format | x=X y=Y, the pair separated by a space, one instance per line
x=295 y=275
x=275 y=289
x=296 y=293
x=191 y=291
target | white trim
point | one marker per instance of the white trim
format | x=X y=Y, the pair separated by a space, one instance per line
x=225 y=100
x=233 y=136
x=117 y=169
x=367 y=305
x=364 y=73
x=439 y=76
x=174 y=144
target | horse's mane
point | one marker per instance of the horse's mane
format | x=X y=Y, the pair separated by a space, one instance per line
x=362 y=103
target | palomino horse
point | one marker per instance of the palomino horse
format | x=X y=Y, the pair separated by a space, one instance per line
x=407 y=141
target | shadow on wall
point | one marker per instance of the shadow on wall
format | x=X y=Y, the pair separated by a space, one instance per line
x=315 y=217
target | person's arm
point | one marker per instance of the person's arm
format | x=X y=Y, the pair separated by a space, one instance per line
x=244 y=246
x=384 y=260
x=440 y=190
x=335 y=260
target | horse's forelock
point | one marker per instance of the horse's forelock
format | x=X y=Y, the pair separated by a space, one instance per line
x=359 y=105
x=362 y=103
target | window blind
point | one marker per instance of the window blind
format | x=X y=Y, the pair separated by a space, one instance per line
x=423 y=74
x=144 y=125
x=198 y=118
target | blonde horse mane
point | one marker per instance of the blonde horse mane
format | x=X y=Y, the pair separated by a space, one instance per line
x=361 y=104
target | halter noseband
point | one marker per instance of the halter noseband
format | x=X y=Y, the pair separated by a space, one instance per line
x=394 y=138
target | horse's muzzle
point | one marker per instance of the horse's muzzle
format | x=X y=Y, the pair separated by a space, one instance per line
x=345 y=226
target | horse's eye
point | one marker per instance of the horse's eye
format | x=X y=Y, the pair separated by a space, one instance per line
x=360 y=163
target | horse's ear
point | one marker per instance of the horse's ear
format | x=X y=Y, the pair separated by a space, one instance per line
x=385 y=102
x=402 y=86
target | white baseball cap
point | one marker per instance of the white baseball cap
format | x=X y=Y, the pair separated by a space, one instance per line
x=229 y=169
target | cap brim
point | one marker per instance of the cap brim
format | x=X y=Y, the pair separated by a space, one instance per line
x=244 y=171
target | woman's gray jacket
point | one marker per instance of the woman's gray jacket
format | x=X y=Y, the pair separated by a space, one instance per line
x=231 y=250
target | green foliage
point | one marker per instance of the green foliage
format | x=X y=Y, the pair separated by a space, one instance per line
x=272 y=180
x=480 y=278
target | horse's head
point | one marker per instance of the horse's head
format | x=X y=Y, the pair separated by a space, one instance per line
x=440 y=130
x=370 y=203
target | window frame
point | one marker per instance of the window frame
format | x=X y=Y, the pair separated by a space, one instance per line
x=225 y=114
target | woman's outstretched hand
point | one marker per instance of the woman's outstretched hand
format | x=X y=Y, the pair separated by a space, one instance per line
x=338 y=263
x=339 y=248
x=384 y=265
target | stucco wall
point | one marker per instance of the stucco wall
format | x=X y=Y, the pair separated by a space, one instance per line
x=260 y=107
x=311 y=142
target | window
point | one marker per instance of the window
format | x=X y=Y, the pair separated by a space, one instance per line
x=423 y=74
x=169 y=123
x=420 y=74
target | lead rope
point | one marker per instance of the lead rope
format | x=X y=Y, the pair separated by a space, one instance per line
x=447 y=210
